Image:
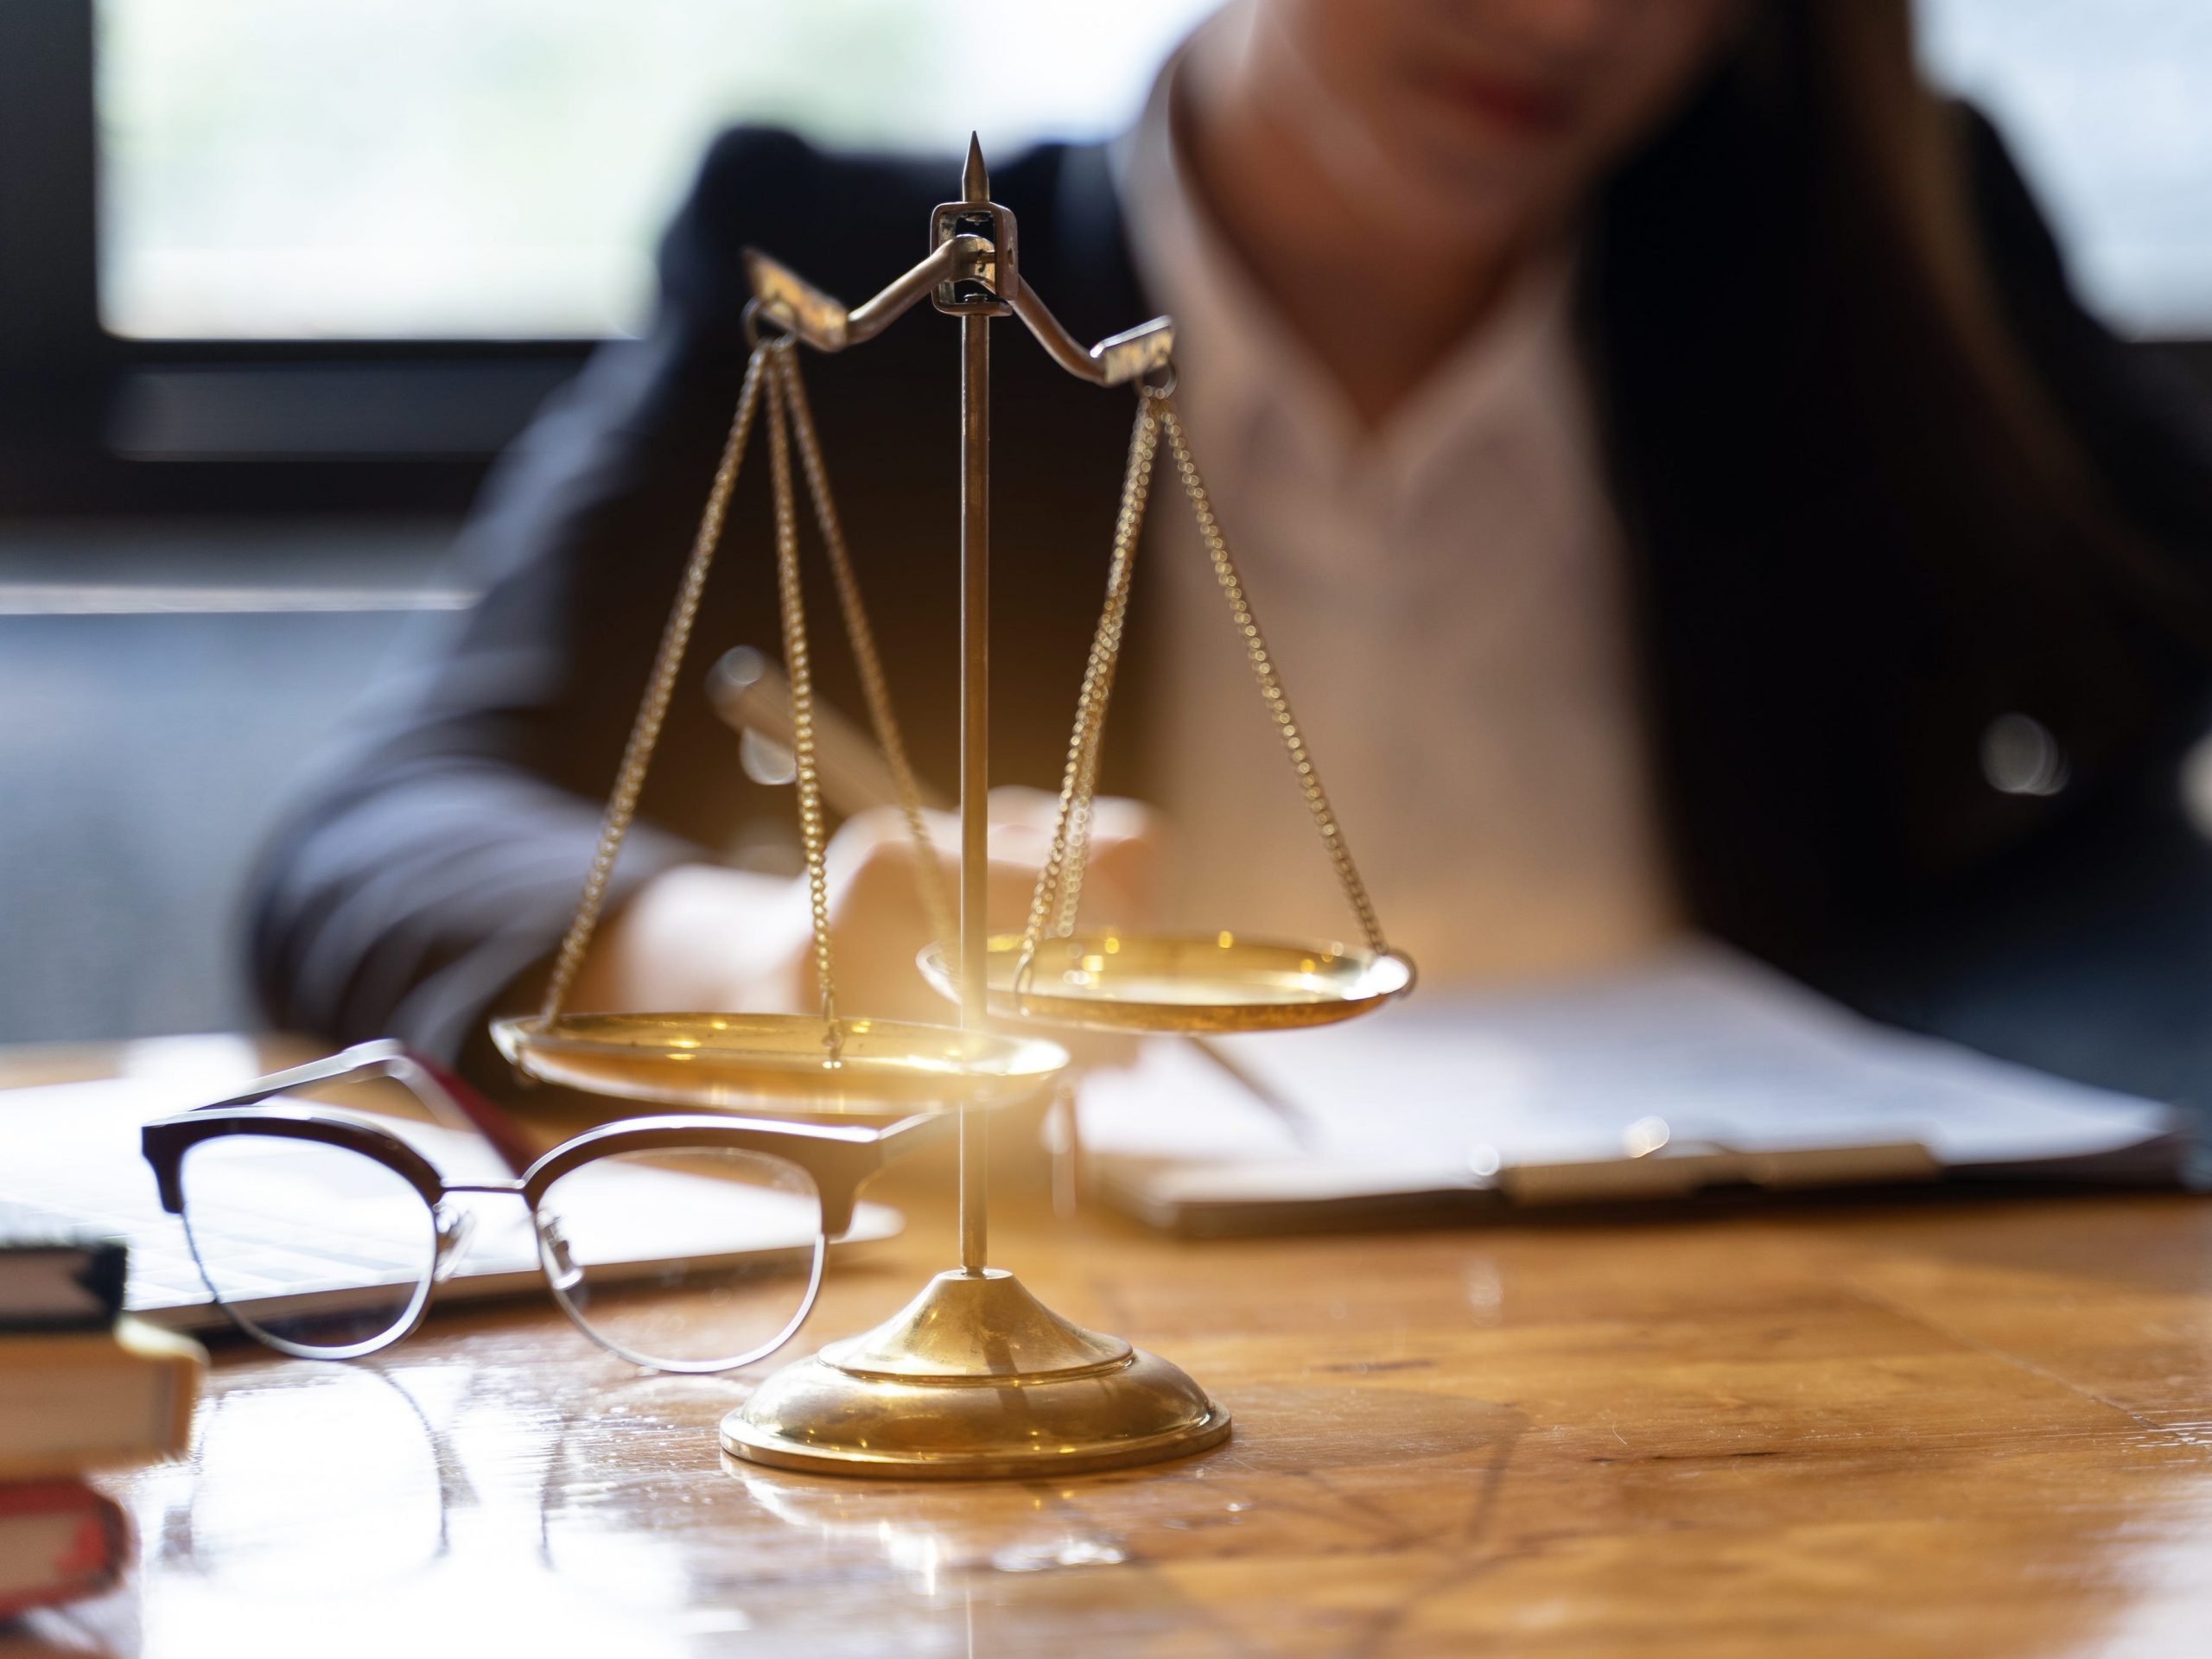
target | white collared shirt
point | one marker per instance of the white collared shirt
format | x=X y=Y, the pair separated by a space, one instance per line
x=1445 y=601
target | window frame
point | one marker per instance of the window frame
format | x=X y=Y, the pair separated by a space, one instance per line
x=71 y=391
x=67 y=382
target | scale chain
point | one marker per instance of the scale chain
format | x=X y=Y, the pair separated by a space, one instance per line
x=1071 y=901
x=798 y=669
x=1128 y=525
x=1263 y=669
x=1057 y=895
x=645 y=731
x=929 y=873
x=1059 y=883
x=789 y=418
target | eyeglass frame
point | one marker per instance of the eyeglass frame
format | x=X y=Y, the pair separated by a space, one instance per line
x=839 y=1159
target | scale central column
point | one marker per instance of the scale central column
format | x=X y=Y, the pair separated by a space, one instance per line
x=975 y=1377
x=975 y=761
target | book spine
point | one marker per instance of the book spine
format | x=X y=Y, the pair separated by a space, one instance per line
x=78 y=1284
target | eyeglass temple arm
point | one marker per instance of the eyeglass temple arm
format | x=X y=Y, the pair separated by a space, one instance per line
x=474 y=1109
x=912 y=1134
x=454 y=1102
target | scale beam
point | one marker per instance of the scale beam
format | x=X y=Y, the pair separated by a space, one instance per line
x=1113 y=361
x=788 y=300
x=822 y=320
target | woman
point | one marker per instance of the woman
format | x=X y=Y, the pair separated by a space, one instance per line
x=1681 y=485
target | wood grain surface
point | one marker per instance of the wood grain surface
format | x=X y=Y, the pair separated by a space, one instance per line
x=1951 y=1428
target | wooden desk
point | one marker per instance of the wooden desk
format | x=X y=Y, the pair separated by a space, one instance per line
x=1946 y=1430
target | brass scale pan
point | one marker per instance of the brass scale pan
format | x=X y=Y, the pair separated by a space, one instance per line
x=1199 y=984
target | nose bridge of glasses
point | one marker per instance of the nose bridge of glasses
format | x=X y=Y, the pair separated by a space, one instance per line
x=456 y=1226
x=459 y=1107
x=836 y=1159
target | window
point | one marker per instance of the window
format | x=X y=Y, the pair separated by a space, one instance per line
x=2108 y=107
x=363 y=238
x=500 y=168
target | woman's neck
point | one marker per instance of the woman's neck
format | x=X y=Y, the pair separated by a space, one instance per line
x=1377 y=294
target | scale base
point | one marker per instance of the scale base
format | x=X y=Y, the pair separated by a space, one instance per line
x=973 y=1379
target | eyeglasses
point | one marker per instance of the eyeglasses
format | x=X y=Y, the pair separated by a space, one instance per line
x=324 y=1234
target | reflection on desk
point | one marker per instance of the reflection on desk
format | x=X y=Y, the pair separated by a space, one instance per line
x=1964 y=1429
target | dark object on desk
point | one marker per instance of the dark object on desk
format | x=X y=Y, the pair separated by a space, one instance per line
x=60 y=1541
x=1830 y=626
x=1717 y=1183
x=61 y=1284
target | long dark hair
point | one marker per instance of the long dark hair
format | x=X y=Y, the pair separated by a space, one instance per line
x=1845 y=385
x=1896 y=161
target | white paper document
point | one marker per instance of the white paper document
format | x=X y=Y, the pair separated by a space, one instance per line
x=1702 y=1069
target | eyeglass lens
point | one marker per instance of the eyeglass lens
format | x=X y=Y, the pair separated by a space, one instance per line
x=737 y=1252
x=312 y=1247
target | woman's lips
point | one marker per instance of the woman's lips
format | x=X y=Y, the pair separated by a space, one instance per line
x=1522 y=107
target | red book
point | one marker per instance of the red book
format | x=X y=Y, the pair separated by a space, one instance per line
x=60 y=1541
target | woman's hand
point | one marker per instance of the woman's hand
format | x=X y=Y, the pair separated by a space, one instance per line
x=700 y=937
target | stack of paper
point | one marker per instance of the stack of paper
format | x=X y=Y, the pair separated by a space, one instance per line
x=1701 y=1070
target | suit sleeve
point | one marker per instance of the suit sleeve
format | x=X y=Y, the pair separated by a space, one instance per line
x=439 y=860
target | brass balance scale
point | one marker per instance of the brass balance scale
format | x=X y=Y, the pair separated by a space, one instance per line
x=975 y=1377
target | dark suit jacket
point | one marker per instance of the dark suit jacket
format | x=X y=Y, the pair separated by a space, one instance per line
x=1816 y=686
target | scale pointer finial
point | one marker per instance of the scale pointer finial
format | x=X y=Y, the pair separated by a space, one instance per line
x=975 y=182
